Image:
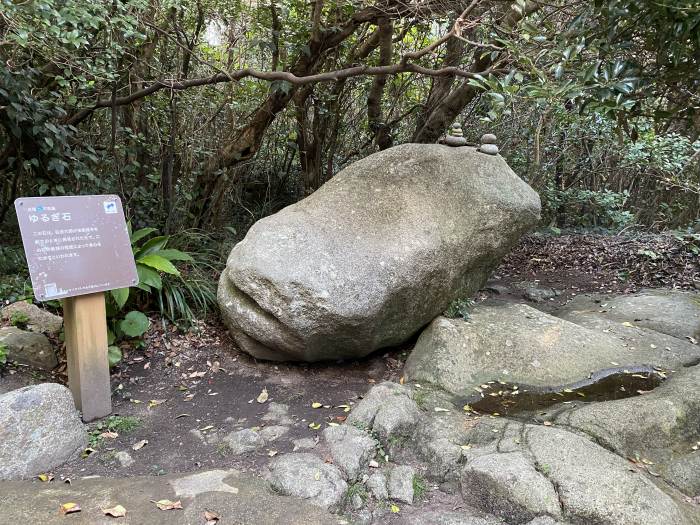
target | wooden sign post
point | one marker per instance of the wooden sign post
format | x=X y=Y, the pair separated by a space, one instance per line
x=77 y=248
x=85 y=328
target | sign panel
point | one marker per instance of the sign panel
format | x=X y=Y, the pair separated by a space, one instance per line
x=75 y=245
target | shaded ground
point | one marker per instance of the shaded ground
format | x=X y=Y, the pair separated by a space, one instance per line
x=187 y=391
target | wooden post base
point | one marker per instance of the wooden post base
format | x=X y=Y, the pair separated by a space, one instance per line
x=85 y=327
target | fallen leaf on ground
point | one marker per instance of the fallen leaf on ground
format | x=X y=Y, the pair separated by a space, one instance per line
x=109 y=435
x=194 y=375
x=211 y=517
x=272 y=453
x=316 y=404
x=140 y=444
x=395 y=509
x=69 y=508
x=155 y=402
x=263 y=396
x=440 y=409
x=45 y=477
x=166 y=504
x=314 y=426
x=116 y=512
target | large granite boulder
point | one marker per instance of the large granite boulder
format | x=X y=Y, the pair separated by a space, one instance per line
x=39 y=429
x=515 y=343
x=375 y=254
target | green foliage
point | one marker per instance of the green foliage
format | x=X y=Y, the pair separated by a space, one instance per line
x=459 y=309
x=420 y=488
x=177 y=283
x=3 y=355
x=19 y=319
x=576 y=207
x=134 y=324
x=118 y=424
x=356 y=489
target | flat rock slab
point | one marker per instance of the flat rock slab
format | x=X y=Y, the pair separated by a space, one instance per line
x=373 y=255
x=518 y=344
x=670 y=312
x=234 y=497
x=39 y=429
x=661 y=426
x=545 y=470
x=676 y=352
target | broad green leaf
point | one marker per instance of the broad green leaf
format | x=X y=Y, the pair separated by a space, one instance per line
x=151 y=245
x=148 y=277
x=134 y=324
x=140 y=234
x=159 y=263
x=120 y=295
x=173 y=255
x=114 y=355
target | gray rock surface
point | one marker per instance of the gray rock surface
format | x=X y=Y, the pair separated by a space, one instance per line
x=537 y=294
x=307 y=476
x=544 y=520
x=376 y=484
x=351 y=449
x=124 y=458
x=388 y=409
x=400 y=483
x=678 y=352
x=39 y=430
x=684 y=473
x=656 y=426
x=374 y=254
x=304 y=444
x=448 y=518
x=670 y=312
x=516 y=343
x=279 y=413
x=273 y=433
x=509 y=486
x=591 y=484
x=243 y=441
x=39 y=320
x=596 y=486
x=28 y=348
x=237 y=498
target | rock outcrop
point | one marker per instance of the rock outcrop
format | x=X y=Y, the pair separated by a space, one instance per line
x=517 y=344
x=373 y=255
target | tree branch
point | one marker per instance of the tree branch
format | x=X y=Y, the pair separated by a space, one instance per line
x=270 y=76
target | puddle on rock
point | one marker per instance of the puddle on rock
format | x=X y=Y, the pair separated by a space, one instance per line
x=509 y=399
